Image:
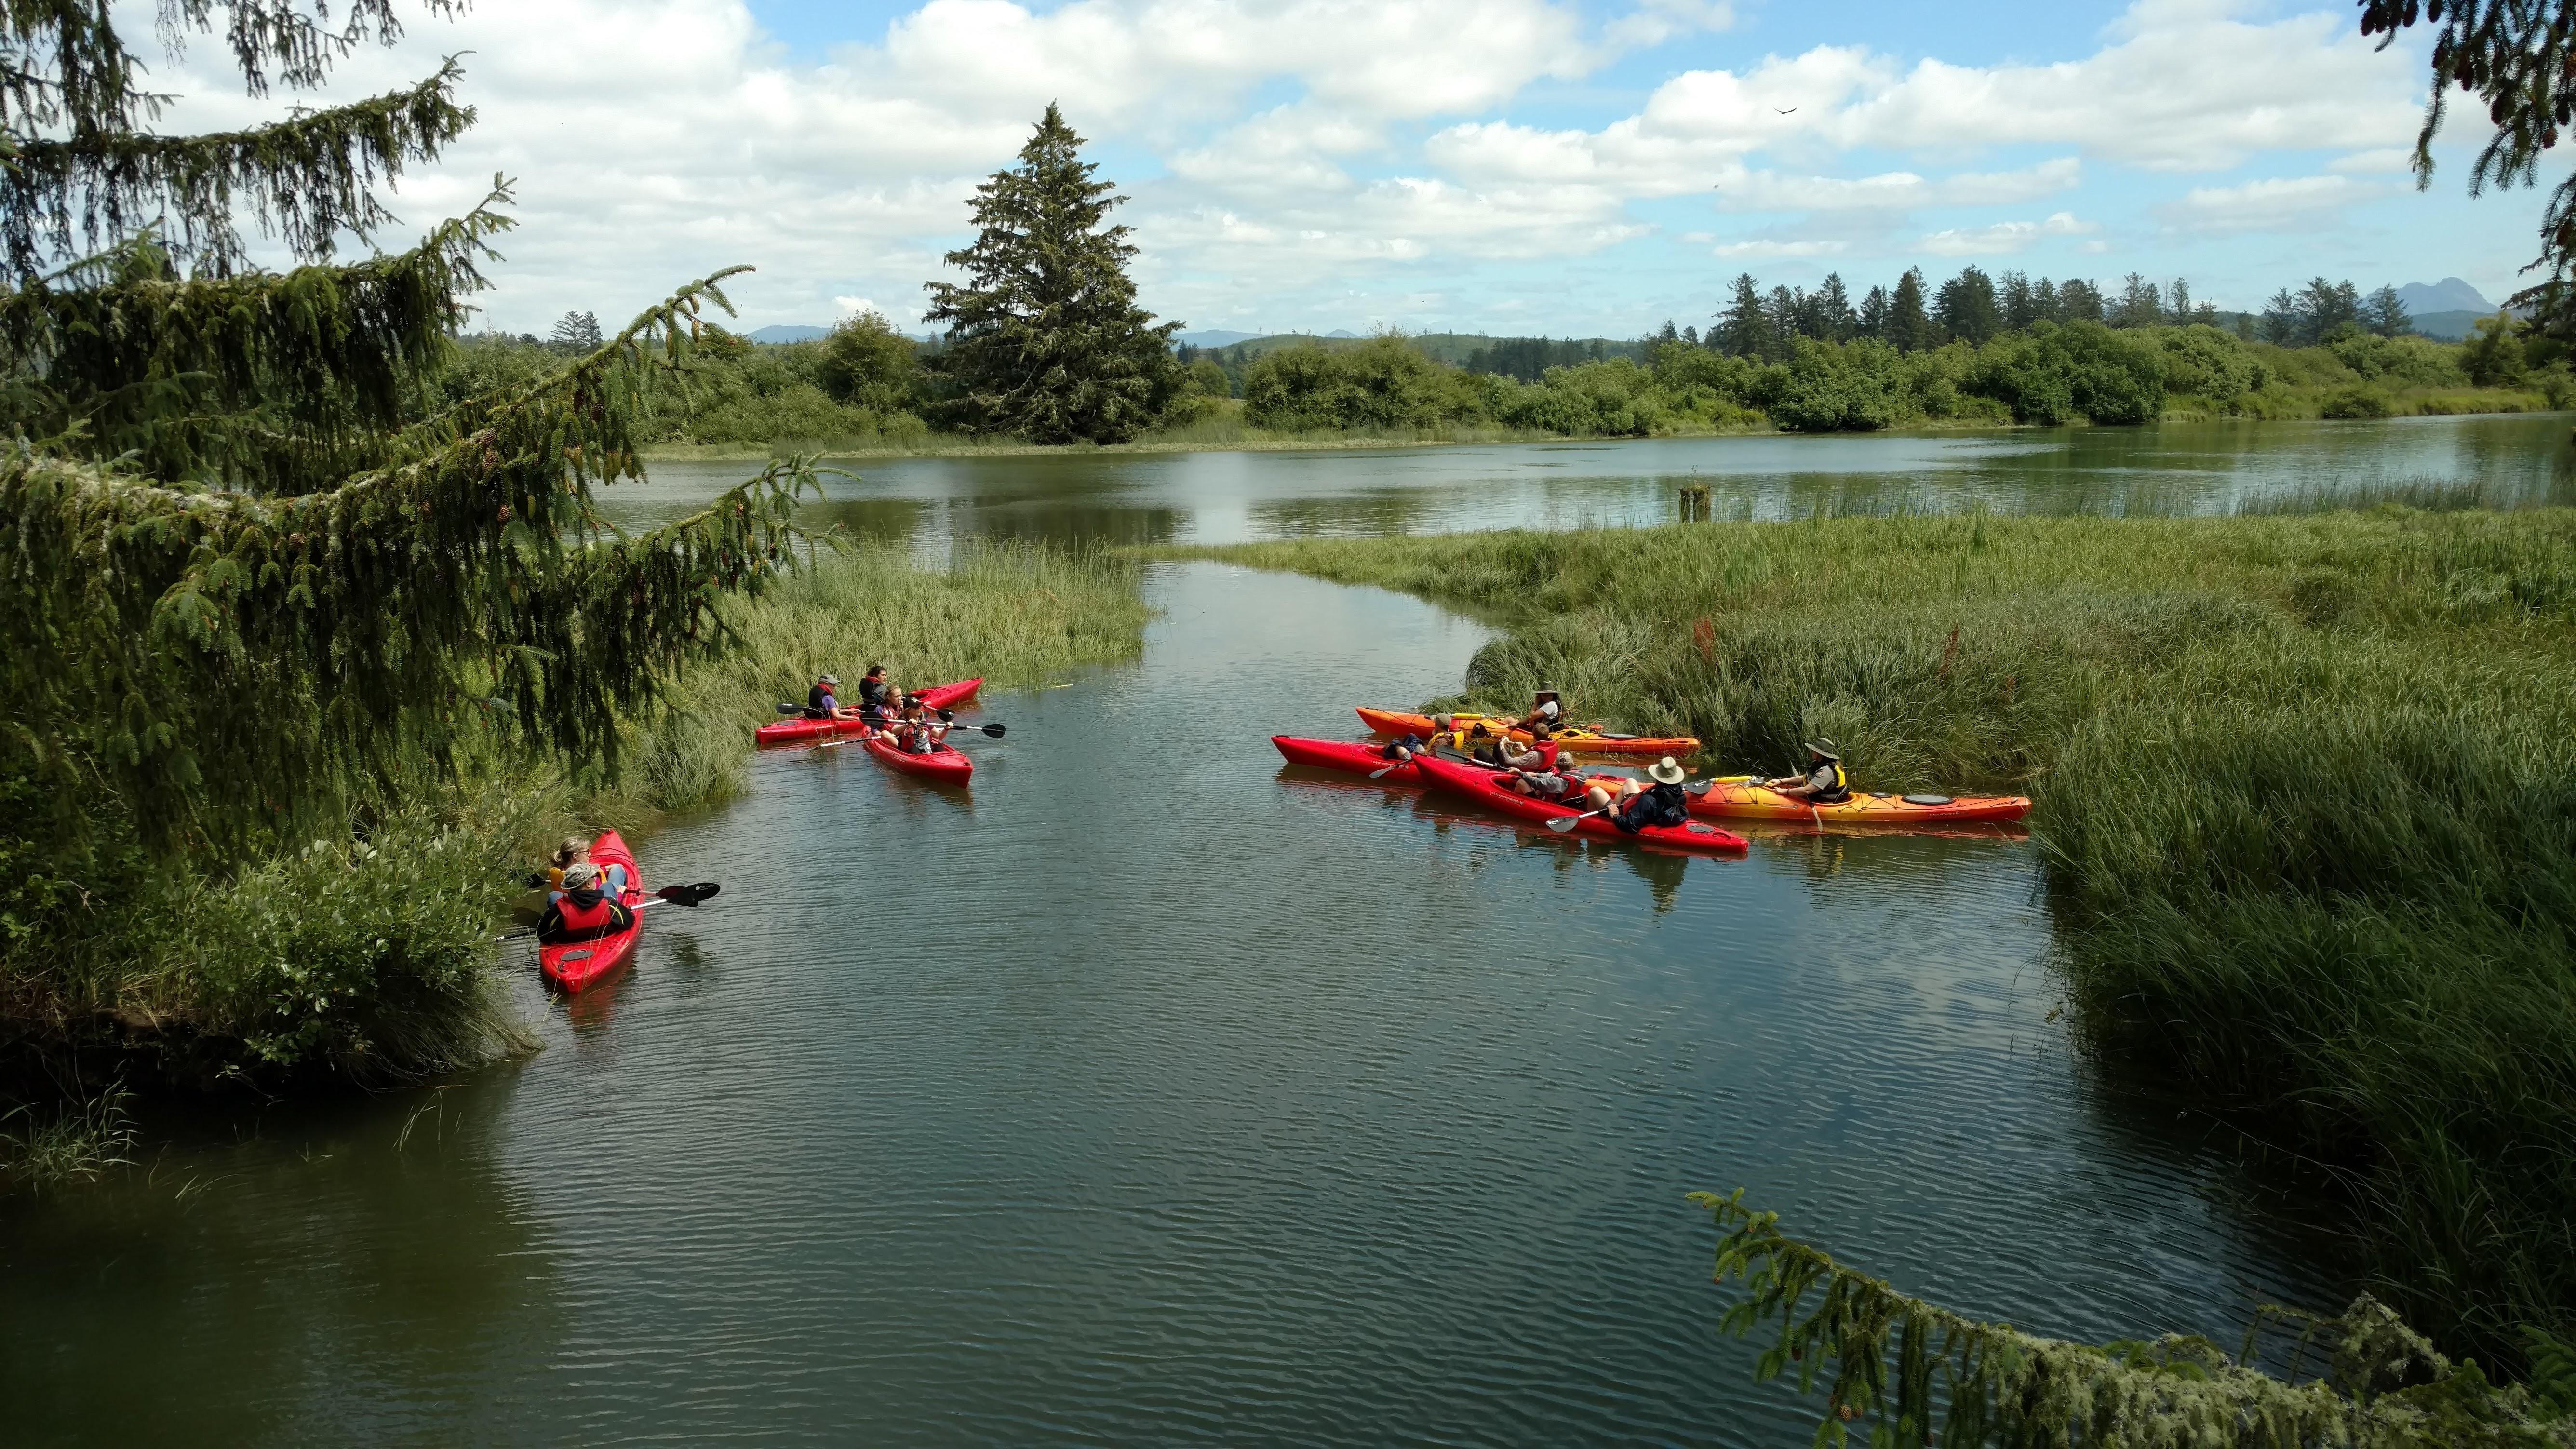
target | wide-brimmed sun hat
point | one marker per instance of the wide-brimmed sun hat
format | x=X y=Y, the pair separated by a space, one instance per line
x=1825 y=747
x=1665 y=771
x=579 y=874
x=831 y=679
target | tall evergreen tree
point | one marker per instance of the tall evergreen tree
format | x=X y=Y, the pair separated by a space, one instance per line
x=2326 y=308
x=2016 y=305
x=1909 y=324
x=1833 y=310
x=2047 y=302
x=240 y=583
x=1966 y=306
x=1873 y=314
x=2282 y=319
x=2078 y=300
x=1744 y=328
x=1045 y=339
x=2140 y=304
x=2385 y=313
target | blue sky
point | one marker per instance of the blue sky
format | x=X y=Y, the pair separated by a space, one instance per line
x=1495 y=165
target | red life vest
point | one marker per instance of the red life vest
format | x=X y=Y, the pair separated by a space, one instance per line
x=579 y=920
x=1547 y=754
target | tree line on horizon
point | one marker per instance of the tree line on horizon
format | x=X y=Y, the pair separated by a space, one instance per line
x=1976 y=307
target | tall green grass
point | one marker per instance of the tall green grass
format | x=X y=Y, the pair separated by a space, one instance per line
x=2306 y=787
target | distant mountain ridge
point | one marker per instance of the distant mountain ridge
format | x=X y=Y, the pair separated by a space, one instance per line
x=2447 y=295
x=786 y=332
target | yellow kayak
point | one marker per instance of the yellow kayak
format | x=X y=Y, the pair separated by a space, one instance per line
x=1739 y=800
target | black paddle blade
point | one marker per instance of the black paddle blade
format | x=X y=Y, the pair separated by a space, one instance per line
x=689 y=895
x=785 y=708
x=993 y=730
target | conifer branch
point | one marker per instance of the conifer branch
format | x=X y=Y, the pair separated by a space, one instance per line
x=224 y=662
x=306 y=179
x=288 y=381
x=1926 y=1375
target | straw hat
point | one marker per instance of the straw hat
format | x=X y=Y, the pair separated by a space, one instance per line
x=1824 y=747
x=1665 y=771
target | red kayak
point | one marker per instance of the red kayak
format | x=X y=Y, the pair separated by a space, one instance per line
x=1350 y=758
x=789 y=731
x=574 y=965
x=1485 y=787
x=944 y=765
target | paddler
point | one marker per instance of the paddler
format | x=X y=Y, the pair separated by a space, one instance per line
x=823 y=701
x=918 y=734
x=1442 y=727
x=874 y=694
x=1823 y=784
x=1638 y=806
x=571 y=851
x=587 y=909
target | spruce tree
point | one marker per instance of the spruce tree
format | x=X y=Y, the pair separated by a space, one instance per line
x=2385 y=313
x=1045 y=339
x=1966 y=308
x=1873 y=314
x=1909 y=325
x=1833 y=309
x=245 y=576
x=1745 y=326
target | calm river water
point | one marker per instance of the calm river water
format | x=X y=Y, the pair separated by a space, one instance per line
x=1155 y=1093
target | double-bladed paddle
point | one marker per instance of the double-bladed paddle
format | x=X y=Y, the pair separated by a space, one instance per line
x=990 y=731
x=691 y=896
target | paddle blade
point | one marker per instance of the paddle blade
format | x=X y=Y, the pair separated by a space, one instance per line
x=993 y=730
x=785 y=708
x=1389 y=770
x=1564 y=823
x=690 y=895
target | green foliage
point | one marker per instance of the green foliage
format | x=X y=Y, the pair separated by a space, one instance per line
x=2303 y=784
x=1045 y=339
x=1382 y=384
x=866 y=364
x=261 y=382
x=1922 y=1374
x=72 y=112
x=2053 y=375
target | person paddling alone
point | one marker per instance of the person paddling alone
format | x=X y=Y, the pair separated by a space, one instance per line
x=823 y=701
x=587 y=909
x=1823 y=784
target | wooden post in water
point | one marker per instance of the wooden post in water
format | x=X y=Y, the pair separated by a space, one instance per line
x=1695 y=503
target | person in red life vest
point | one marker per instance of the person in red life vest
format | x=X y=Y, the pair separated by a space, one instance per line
x=587 y=909
x=918 y=732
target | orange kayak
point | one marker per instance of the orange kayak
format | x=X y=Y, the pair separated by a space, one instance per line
x=1581 y=739
x=1738 y=801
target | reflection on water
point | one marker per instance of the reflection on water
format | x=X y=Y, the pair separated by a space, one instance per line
x=1233 y=497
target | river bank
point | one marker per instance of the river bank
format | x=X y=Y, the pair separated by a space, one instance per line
x=368 y=958
x=1229 y=434
x=2302 y=784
